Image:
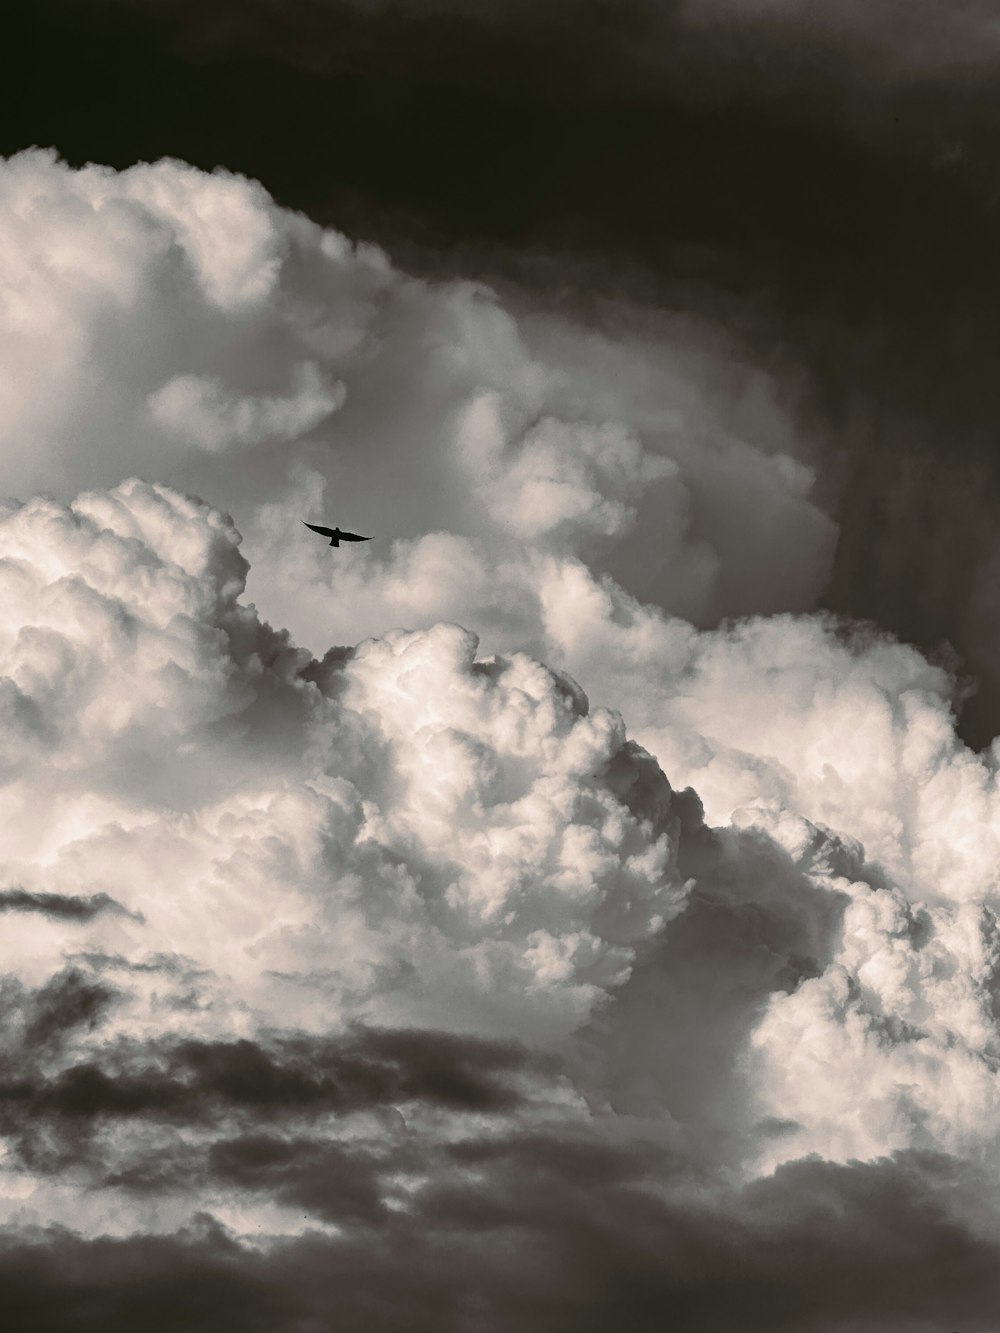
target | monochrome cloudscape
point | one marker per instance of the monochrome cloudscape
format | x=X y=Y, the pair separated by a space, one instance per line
x=544 y=915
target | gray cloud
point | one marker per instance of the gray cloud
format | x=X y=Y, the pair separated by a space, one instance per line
x=198 y=1080
x=675 y=1038
x=549 y=1232
x=59 y=905
x=148 y=1118
x=37 y=1020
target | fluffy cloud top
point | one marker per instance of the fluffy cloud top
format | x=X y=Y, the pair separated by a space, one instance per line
x=397 y=830
x=159 y=319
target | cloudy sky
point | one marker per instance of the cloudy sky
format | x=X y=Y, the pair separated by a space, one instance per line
x=579 y=906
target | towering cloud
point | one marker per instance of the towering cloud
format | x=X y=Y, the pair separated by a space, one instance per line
x=245 y=851
x=238 y=840
x=397 y=829
x=165 y=347
x=368 y=946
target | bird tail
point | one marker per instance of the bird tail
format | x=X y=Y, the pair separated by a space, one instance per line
x=335 y=541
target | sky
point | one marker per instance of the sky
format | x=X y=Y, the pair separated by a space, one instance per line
x=577 y=906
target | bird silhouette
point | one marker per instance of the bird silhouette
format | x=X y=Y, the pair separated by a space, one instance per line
x=335 y=534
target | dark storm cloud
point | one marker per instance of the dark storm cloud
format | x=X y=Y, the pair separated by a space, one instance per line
x=314 y=1177
x=368 y=1069
x=327 y=1180
x=72 y=1120
x=531 y=1242
x=61 y=906
x=34 y=1022
x=202 y=1081
x=510 y=1219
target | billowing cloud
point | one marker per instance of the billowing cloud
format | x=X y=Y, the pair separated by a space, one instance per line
x=472 y=827
x=905 y=1012
x=204 y=412
x=244 y=852
x=402 y=945
x=818 y=176
x=406 y=835
x=142 y=338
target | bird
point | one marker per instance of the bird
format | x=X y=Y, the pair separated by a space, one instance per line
x=335 y=534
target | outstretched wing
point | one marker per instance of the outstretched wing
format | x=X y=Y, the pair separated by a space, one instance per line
x=353 y=537
x=325 y=532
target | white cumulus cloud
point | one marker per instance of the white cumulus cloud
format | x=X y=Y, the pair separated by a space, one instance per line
x=401 y=831
x=429 y=828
